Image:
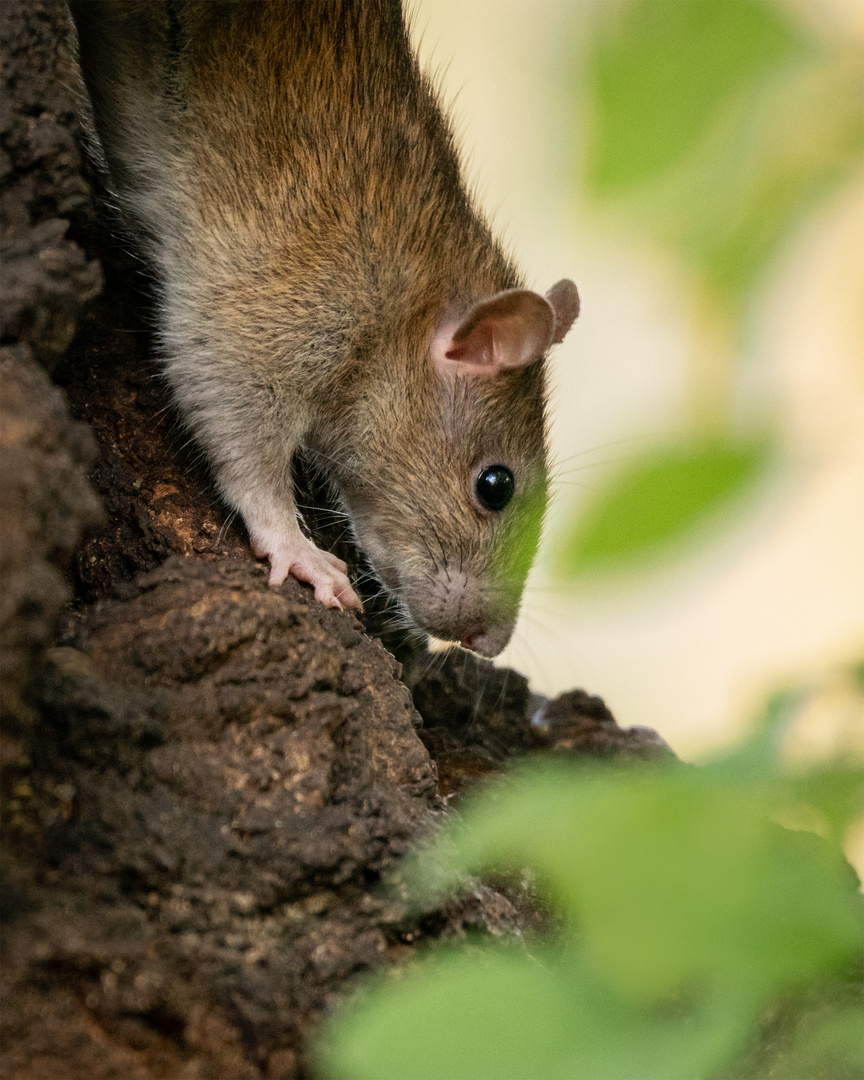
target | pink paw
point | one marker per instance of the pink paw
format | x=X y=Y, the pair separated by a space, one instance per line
x=300 y=558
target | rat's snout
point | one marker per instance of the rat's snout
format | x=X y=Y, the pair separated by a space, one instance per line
x=452 y=604
x=489 y=644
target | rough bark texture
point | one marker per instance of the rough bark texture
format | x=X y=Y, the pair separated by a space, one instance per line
x=46 y=503
x=203 y=779
x=47 y=278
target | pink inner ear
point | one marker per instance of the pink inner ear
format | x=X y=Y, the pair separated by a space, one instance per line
x=509 y=330
x=478 y=348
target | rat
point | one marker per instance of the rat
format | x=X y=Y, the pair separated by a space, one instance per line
x=324 y=283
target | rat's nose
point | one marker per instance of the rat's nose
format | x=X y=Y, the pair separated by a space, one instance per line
x=473 y=641
x=489 y=641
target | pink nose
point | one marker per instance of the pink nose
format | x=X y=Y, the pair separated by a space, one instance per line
x=470 y=642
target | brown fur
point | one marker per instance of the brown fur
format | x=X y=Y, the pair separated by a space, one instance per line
x=297 y=189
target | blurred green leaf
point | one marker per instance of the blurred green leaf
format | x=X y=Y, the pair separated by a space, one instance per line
x=756 y=757
x=661 y=72
x=395 y=1032
x=686 y=912
x=835 y=789
x=516 y=543
x=728 y=207
x=659 y=499
x=670 y=877
x=836 y=793
x=716 y=125
x=825 y=1047
x=507 y=1015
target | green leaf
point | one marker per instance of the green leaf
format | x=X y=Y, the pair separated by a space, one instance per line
x=662 y=71
x=686 y=911
x=829 y=1046
x=658 y=500
x=837 y=793
x=728 y=207
x=506 y=1015
x=670 y=877
x=491 y=1015
x=834 y=789
x=716 y=124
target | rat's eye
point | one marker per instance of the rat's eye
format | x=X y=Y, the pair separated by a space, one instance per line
x=494 y=487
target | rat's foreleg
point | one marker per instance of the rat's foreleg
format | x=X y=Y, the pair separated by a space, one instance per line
x=276 y=535
x=250 y=435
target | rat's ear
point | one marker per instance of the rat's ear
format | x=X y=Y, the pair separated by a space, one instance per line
x=509 y=330
x=564 y=298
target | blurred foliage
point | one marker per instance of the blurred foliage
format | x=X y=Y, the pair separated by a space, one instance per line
x=662 y=72
x=715 y=125
x=661 y=497
x=697 y=938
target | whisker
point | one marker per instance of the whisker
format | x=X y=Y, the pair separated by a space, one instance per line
x=599 y=446
x=226 y=525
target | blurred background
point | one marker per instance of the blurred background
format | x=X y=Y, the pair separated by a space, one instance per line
x=697 y=167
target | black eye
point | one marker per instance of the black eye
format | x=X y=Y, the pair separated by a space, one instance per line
x=494 y=487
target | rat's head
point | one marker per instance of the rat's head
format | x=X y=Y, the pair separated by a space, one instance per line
x=450 y=497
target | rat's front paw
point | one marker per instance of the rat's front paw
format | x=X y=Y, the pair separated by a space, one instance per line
x=300 y=558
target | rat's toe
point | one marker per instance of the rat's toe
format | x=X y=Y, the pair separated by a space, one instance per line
x=335 y=562
x=335 y=591
x=279 y=570
x=325 y=572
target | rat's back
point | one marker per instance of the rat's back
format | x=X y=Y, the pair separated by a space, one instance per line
x=288 y=122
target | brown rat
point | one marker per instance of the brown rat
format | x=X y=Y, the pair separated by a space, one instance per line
x=324 y=282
